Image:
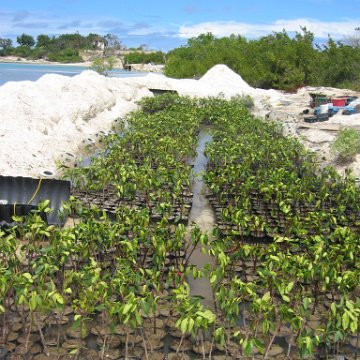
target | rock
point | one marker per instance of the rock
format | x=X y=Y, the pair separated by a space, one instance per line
x=275 y=350
x=202 y=347
x=179 y=356
x=135 y=351
x=185 y=346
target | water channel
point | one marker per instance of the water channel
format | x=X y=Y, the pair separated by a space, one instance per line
x=202 y=214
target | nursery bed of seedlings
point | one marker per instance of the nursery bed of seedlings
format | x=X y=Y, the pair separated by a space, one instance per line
x=288 y=236
x=115 y=284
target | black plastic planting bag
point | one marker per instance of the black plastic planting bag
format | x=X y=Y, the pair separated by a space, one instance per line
x=19 y=195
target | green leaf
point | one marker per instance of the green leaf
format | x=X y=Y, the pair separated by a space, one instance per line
x=59 y=299
x=213 y=279
x=338 y=336
x=289 y=287
x=306 y=302
x=127 y=308
x=353 y=327
x=21 y=299
x=285 y=298
x=220 y=336
x=260 y=346
x=266 y=296
x=184 y=325
x=27 y=276
x=191 y=324
x=349 y=305
x=345 y=321
x=333 y=308
x=145 y=307
x=275 y=258
x=309 y=344
x=247 y=347
x=33 y=301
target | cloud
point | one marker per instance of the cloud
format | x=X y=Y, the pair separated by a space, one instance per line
x=142 y=28
x=110 y=24
x=21 y=15
x=69 y=25
x=31 y=25
x=321 y=29
x=141 y=25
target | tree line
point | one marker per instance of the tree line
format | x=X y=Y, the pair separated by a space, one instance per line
x=274 y=61
x=63 y=48
x=66 y=48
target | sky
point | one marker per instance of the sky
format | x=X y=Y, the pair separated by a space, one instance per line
x=167 y=24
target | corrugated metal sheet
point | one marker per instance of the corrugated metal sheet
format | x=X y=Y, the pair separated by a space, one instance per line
x=163 y=91
x=24 y=191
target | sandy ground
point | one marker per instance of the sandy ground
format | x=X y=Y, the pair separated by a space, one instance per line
x=16 y=59
x=48 y=122
x=117 y=65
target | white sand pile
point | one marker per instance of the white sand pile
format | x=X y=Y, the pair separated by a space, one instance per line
x=218 y=81
x=220 y=77
x=43 y=120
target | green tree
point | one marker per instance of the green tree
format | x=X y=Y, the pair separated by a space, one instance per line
x=43 y=41
x=138 y=57
x=67 y=55
x=95 y=41
x=25 y=40
x=5 y=44
x=276 y=61
x=112 y=44
x=339 y=65
x=103 y=65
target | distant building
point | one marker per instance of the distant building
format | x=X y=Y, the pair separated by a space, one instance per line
x=99 y=45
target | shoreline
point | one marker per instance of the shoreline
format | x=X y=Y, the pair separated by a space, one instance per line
x=17 y=60
x=86 y=64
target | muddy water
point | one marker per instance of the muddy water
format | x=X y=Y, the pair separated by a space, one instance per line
x=203 y=215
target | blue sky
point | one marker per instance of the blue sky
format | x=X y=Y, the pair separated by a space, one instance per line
x=168 y=24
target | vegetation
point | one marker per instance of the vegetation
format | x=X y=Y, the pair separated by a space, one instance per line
x=347 y=144
x=64 y=48
x=65 y=56
x=274 y=61
x=103 y=65
x=25 y=40
x=141 y=57
x=285 y=248
x=67 y=47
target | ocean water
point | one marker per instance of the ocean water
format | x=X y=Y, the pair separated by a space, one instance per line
x=21 y=72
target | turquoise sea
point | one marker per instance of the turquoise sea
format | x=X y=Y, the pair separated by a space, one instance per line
x=20 y=72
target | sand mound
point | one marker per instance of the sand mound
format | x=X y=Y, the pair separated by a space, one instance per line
x=218 y=81
x=220 y=76
x=43 y=120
